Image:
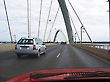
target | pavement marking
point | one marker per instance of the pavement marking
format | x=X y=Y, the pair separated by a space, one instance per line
x=58 y=55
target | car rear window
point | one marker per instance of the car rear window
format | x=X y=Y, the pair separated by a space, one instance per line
x=25 y=41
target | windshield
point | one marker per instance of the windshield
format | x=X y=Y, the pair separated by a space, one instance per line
x=75 y=33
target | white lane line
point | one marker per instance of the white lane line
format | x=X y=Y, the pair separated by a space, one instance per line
x=58 y=55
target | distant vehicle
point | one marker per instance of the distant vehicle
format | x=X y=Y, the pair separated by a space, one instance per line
x=30 y=46
x=63 y=42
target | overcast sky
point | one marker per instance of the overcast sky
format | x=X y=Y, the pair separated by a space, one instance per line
x=93 y=14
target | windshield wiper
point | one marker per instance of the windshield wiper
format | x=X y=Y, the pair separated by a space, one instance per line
x=88 y=75
x=36 y=76
x=74 y=75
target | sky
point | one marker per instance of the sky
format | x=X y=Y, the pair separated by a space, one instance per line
x=93 y=14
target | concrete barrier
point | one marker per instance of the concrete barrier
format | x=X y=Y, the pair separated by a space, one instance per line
x=7 y=47
x=105 y=54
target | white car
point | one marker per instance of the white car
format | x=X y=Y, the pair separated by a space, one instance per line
x=30 y=46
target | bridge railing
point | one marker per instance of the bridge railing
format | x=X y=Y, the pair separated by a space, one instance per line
x=100 y=46
x=7 y=47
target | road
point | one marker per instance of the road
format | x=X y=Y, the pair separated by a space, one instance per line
x=59 y=56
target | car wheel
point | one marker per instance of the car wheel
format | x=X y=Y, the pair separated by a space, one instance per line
x=45 y=51
x=18 y=56
x=38 y=53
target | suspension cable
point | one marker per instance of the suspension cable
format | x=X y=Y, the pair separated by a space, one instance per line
x=8 y=20
x=82 y=27
x=48 y=19
x=29 y=17
x=40 y=17
x=53 y=23
x=75 y=13
x=74 y=26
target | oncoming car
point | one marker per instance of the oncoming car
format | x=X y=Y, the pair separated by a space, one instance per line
x=30 y=46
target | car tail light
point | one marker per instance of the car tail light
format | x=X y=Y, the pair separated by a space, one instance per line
x=34 y=47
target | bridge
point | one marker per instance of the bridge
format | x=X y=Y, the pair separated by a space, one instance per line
x=74 y=54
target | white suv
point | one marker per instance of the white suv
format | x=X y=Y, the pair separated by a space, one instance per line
x=30 y=46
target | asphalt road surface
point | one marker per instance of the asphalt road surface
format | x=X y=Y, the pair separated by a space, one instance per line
x=58 y=56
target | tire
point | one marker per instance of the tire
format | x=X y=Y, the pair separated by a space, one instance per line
x=18 y=56
x=38 y=54
x=44 y=52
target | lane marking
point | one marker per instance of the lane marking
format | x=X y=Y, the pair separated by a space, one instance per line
x=58 y=55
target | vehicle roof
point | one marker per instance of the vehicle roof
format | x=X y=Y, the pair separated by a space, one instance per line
x=29 y=38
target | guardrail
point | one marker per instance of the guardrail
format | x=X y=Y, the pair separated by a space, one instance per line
x=100 y=46
x=7 y=47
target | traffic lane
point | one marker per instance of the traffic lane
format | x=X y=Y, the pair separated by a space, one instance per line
x=47 y=61
x=12 y=66
x=72 y=57
x=8 y=58
x=89 y=60
x=11 y=54
x=69 y=59
x=52 y=48
x=63 y=56
x=6 y=55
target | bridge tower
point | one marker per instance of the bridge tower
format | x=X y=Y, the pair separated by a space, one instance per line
x=66 y=19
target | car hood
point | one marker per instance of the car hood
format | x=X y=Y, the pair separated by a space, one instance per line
x=61 y=74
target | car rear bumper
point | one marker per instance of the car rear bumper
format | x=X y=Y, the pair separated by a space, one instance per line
x=27 y=52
